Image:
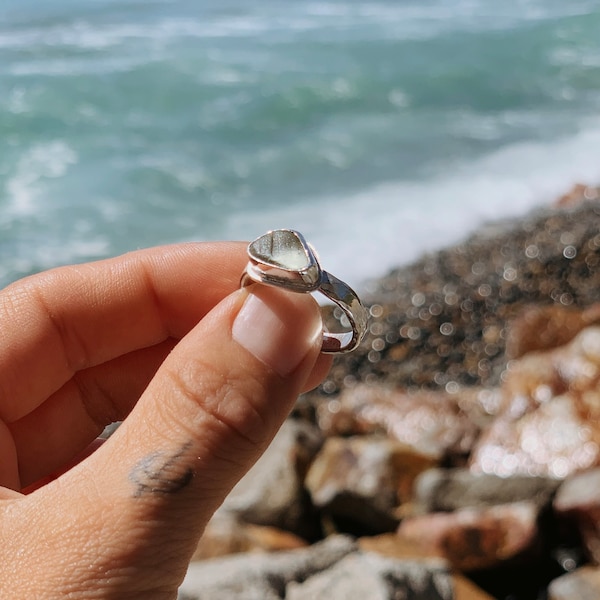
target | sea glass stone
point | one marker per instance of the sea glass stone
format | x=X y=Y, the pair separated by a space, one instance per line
x=283 y=248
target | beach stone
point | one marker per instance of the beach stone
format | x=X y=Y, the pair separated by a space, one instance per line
x=366 y=576
x=582 y=584
x=577 y=503
x=263 y=576
x=548 y=424
x=350 y=579
x=433 y=424
x=547 y=327
x=477 y=538
x=272 y=493
x=358 y=482
x=445 y=490
x=225 y=534
x=464 y=589
x=579 y=193
x=393 y=546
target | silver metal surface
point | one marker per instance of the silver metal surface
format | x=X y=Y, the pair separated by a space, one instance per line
x=284 y=259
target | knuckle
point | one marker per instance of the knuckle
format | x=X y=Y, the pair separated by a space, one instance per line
x=224 y=404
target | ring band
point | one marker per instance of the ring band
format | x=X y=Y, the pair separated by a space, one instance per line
x=282 y=258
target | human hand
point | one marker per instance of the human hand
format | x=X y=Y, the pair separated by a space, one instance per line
x=205 y=374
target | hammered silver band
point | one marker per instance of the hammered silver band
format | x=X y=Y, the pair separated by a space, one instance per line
x=282 y=258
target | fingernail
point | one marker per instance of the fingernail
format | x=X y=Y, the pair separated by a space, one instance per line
x=276 y=331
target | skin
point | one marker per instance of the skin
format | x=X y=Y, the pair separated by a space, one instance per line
x=153 y=338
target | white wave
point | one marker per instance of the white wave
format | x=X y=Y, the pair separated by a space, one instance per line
x=41 y=161
x=406 y=20
x=365 y=235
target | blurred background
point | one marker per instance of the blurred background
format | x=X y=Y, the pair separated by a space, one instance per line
x=378 y=128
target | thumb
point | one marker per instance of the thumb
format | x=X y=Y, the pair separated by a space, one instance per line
x=140 y=502
x=220 y=397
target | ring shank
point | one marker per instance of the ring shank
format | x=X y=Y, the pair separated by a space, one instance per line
x=345 y=297
x=335 y=290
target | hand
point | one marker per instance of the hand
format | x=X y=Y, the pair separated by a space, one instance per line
x=205 y=374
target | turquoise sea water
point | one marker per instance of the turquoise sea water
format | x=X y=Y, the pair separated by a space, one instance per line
x=380 y=129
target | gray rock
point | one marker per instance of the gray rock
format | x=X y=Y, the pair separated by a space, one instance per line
x=260 y=576
x=272 y=492
x=583 y=584
x=577 y=504
x=451 y=489
x=367 y=576
x=356 y=481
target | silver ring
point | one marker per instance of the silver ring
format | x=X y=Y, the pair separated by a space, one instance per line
x=284 y=259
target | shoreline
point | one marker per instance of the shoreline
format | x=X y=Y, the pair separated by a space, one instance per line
x=443 y=319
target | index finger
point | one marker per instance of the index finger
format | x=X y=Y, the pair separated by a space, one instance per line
x=72 y=318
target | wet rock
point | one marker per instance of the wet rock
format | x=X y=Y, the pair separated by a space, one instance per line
x=272 y=493
x=477 y=538
x=260 y=576
x=358 y=482
x=225 y=534
x=445 y=490
x=548 y=422
x=577 y=503
x=433 y=424
x=583 y=584
x=365 y=576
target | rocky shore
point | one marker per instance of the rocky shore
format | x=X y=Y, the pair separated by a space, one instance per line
x=456 y=454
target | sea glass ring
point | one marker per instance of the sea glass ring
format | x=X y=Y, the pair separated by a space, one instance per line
x=282 y=258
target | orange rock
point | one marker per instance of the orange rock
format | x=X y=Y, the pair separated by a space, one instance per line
x=467 y=590
x=431 y=423
x=394 y=546
x=477 y=538
x=547 y=327
x=548 y=423
x=226 y=535
x=578 y=193
x=359 y=482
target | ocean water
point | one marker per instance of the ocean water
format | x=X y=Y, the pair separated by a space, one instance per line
x=380 y=129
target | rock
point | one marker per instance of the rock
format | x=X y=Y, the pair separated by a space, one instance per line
x=577 y=503
x=445 y=490
x=358 y=482
x=365 y=576
x=350 y=579
x=548 y=422
x=582 y=584
x=577 y=194
x=225 y=534
x=477 y=538
x=547 y=327
x=433 y=424
x=272 y=493
x=467 y=590
x=394 y=546
x=260 y=576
